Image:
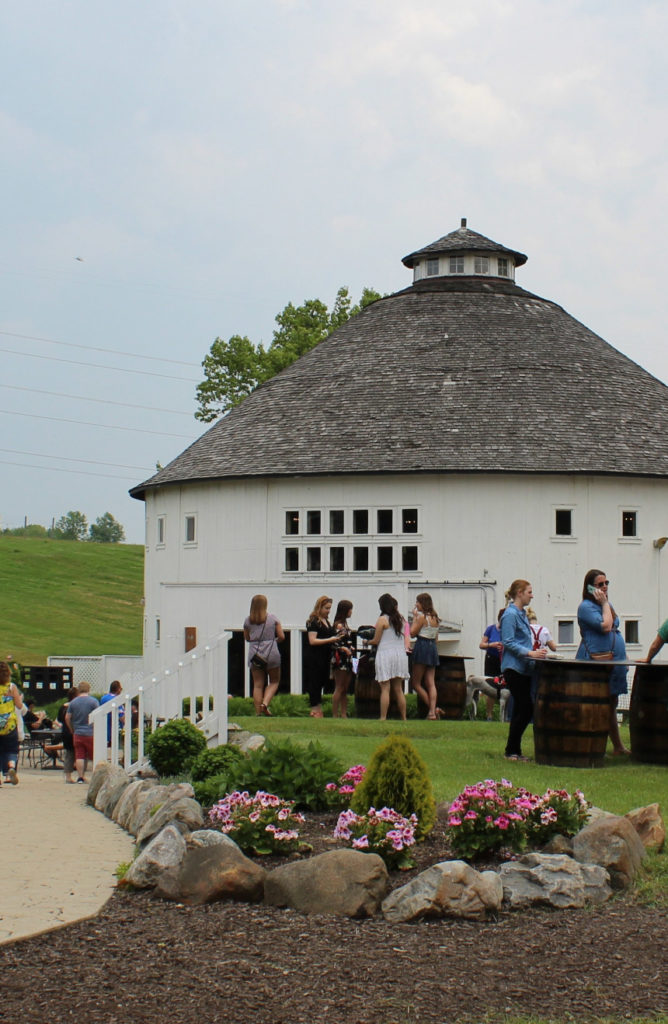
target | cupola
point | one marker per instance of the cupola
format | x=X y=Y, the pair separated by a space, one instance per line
x=464 y=253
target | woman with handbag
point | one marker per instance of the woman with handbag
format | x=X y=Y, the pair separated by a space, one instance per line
x=263 y=632
x=602 y=641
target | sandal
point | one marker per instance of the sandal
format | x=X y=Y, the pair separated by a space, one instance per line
x=265 y=711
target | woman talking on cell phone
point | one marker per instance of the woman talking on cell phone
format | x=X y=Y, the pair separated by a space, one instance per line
x=602 y=641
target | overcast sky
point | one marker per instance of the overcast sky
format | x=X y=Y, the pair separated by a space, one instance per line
x=173 y=172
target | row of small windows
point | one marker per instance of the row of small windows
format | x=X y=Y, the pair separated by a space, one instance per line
x=481 y=265
x=189 y=530
x=563 y=523
x=383 y=558
x=315 y=522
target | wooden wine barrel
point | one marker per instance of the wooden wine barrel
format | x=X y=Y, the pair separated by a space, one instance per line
x=450 y=679
x=648 y=718
x=367 y=699
x=572 y=713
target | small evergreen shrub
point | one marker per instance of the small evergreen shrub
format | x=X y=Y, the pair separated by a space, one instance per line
x=216 y=761
x=173 y=748
x=290 y=770
x=397 y=777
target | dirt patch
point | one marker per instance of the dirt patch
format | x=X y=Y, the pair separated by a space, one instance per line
x=148 y=962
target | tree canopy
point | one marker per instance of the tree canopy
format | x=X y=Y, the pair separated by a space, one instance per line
x=73 y=526
x=106 y=530
x=234 y=368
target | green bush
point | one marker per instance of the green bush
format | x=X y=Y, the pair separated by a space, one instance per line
x=397 y=777
x=290 y=771
x=173 y=748
x=211 y=790
x=216 y=761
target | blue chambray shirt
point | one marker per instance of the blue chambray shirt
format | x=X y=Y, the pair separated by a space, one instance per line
x=517 y=641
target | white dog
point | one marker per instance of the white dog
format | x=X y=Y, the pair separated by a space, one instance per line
x=476 y=685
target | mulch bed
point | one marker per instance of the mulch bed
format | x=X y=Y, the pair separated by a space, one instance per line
x=144 y=961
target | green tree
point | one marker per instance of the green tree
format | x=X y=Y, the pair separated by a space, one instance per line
x=106 y=530
x=234 y=368
x=73 y=526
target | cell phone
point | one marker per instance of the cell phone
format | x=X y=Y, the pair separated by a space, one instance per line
x=592 y=590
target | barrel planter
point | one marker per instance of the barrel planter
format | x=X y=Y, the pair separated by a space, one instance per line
x=450 y=679
x=572 y=713
x=648 y=718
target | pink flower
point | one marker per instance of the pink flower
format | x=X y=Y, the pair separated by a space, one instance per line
x=454 y=821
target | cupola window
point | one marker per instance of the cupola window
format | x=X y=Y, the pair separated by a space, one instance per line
x=481 y=265
x=432 y=267
x=456 y=264
x=503 y=266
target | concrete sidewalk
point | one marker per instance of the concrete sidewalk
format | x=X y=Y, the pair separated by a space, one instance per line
x=58 y=854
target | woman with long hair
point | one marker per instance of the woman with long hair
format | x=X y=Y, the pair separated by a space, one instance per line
x=391 y=658
x=321 y=636
x=424 y=627
x=602 y=641
x=263 y=632
x=11 y=702
x=342 y=659
x=516 y=663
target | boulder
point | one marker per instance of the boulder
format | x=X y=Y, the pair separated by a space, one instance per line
x=213 y=872
x=209 y=837
x=111 y=790
x=159 y=796
x=558 y=844
x=344 y=882
x=127 y=805
x=553 y=879
x=613 y=843
x=245 y=740
x=160 y=859
x=185 y=813
x=649 y=825
x=448 y=889
x=100 y=773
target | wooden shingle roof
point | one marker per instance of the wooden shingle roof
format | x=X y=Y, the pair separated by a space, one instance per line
x=450 y=375
x=458 y=241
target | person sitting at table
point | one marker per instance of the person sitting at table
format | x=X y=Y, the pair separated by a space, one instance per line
x=33 y=719
x=66 y=744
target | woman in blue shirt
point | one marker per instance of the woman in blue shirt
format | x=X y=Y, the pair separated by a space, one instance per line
x=517 y=663
x=601 y=640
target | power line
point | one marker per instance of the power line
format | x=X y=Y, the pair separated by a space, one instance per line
x=65 y=458
x=98 y=366
x=62 y=469
x=93 y=348
x=85 y=423
x=105 y=401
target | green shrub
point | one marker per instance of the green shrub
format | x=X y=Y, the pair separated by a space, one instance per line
x=211 y=790
x=173 y=748
x=397 y=777
x=291 y=771
x=216 y=761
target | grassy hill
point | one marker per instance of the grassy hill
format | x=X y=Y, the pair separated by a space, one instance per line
x=69 y=597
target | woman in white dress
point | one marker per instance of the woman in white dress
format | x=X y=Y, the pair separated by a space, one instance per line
x=392 y=642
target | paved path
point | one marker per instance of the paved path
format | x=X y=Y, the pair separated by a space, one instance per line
x=59 y=855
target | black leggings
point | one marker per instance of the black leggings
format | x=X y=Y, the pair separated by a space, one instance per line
x=520 y=689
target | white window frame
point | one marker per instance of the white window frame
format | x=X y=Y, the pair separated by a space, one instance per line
x=456 y=264
x=566 y=619
x=433 y=266
x=503 y=266
x=563 y=538
x=190 y=517
x=161 y=531
x=481 y=265
x=629 y=540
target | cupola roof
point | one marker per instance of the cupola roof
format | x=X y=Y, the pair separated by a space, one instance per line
x=459 y=241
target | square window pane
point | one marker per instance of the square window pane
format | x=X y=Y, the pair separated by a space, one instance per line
x=336 y=559
x=565 y=631
x=432 y=267
x=503 y=267
x=631 y=635
x=292 y=559
x=360 y=520
x=313 y=559
x=482 y=265
x=336 y=523
x=384 y=559
x=629 y=524
x=292 y=522
x=456 y=264
x=360 y=559
x=313 y=522
x=409 y=559
x=409 y=520
x=385 y=520
x=563 y=522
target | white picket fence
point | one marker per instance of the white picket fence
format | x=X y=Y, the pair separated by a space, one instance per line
x=201 y=674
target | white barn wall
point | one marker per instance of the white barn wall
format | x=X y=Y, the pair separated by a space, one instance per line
x=472 y=528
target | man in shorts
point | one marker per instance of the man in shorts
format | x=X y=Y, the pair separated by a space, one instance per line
x=77 y=719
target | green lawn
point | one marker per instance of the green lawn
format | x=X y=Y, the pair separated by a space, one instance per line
x=69 y=597
x=458 y=754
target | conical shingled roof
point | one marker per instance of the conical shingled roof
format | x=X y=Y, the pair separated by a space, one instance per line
x=451 y=375
x=462 y=239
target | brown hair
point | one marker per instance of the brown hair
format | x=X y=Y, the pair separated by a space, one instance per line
x=258 y=609
x=389 y=606
x=83 y=687
x=318 y=606
x=343 y=610
x=5 y=673
x=515 y=588
x=427 y=606
x=115 y=686
x=589 y=582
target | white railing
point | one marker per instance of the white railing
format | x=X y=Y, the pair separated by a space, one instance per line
x=202 y=673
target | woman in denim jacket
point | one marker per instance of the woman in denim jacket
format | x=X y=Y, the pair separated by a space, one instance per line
x=517 y=663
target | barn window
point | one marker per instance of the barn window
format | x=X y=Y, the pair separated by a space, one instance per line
x=385 y=520
x=360 y=559
x=409 y=520
x=336 y=559
x=629 y=524
x=336 y=522
x=432 y=267
x=384 y=559
x=313 y=522
x=409 y=559
x=565 y=631
x=631 y=633
x=292 y=559
x=292 y=522
x=190 y=529
x=313 y=560
x=456 y=264
x=503 y=266
x=161 y=530
x=360 y=520
x=563 y=522
x=482 y=264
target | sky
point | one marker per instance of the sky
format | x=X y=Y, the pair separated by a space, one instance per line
x=176 y=172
